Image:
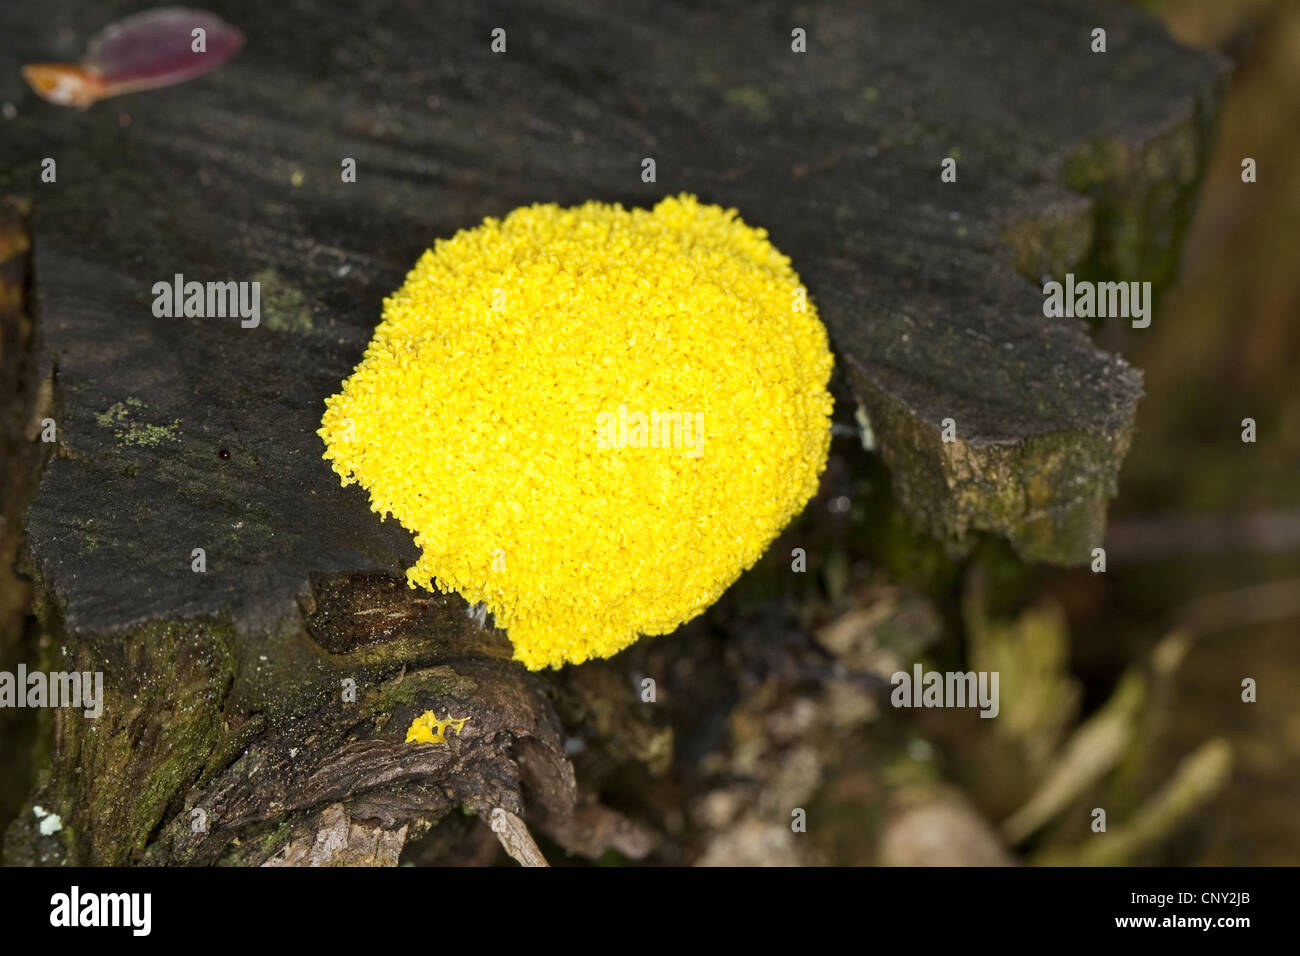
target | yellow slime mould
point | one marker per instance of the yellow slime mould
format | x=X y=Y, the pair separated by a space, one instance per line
x=592 y=420
x=428 y=729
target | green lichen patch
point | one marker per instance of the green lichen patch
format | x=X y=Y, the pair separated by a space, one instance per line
x=284 y=307
x=752 y=100
x=129 y=768
x=124 y=420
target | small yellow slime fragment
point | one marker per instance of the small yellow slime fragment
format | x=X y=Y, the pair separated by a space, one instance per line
x=428 y=729
x=475 y=417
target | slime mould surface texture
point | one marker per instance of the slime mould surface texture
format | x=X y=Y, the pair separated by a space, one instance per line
x=592 y=419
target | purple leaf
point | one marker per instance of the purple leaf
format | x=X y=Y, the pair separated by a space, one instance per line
x=145 y=51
